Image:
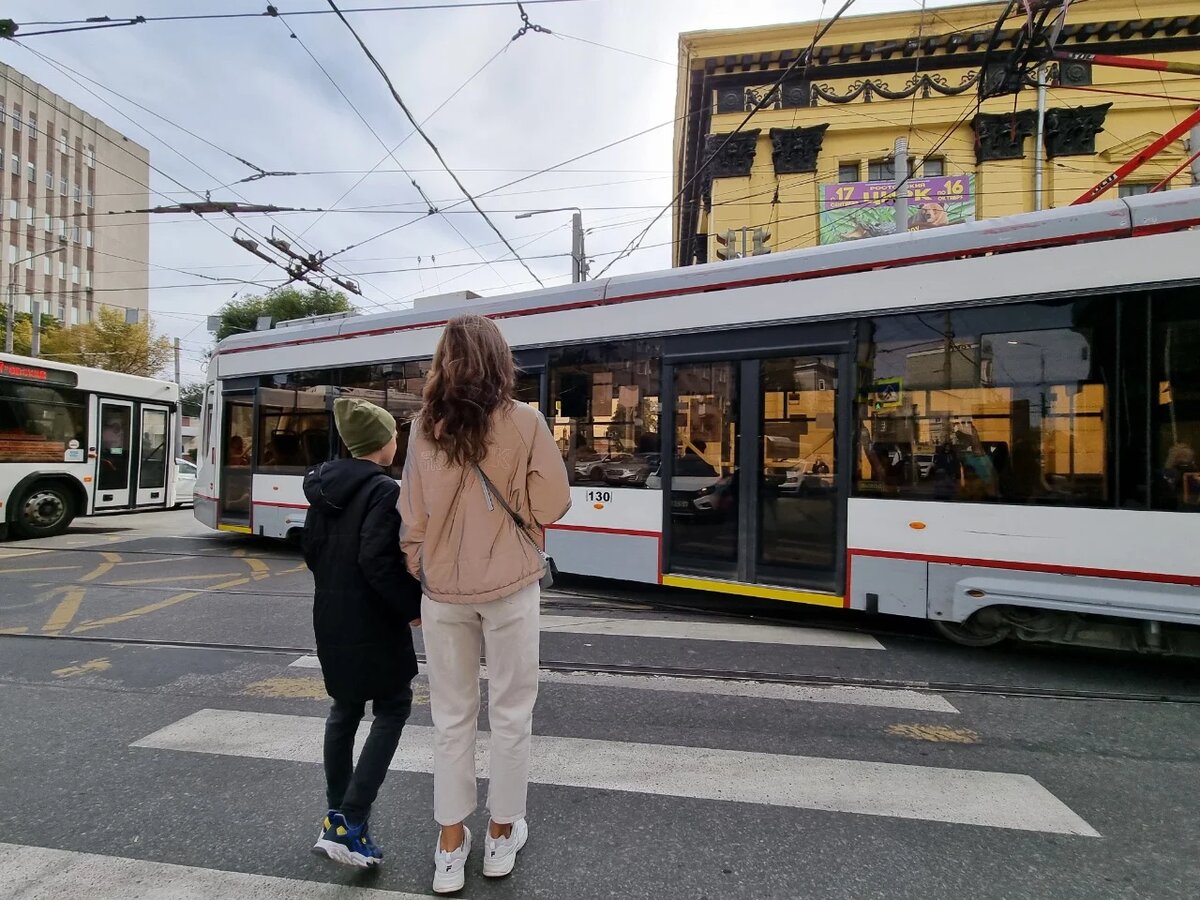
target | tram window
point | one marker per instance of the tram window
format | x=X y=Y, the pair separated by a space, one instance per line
x=397 y=387
x=528 y=389
x=604 y=400
x=293 y=428
x=39 y=423
x=1175 y=401
x=1004 y=404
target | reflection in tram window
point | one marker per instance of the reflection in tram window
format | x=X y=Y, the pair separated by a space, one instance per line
x=293 y=429
x=605 y=401
x=1004 y=404
x=797 y=498
x=704 y=467
x=397 y=387
x=1175 y=401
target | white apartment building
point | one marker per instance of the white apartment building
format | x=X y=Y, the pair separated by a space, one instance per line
x=62 y=173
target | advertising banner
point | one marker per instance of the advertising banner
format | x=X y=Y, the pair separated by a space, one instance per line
x=864 y=209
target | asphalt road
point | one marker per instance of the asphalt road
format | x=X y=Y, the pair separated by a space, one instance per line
x=162 y=726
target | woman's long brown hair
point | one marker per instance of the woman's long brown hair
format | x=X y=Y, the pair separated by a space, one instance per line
x=471 y=377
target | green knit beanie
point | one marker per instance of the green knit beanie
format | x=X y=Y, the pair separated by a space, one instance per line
x=364 y=427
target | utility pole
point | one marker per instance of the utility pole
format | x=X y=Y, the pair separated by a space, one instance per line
x=1039 y=150
x=35 y=347
x=179 y=411
x=12 y=308
x=900 y=163
x=579 y=263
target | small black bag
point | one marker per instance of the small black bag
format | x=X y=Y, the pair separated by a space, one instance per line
x=549 y=570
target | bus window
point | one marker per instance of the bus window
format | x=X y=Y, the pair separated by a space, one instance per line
x=39 y=423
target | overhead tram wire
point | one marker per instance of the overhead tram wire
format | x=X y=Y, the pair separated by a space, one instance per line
x=97 y=23
x=806 y=58
x=129 y=152
x=55 y=64
x=432 y=146
x=432 y=209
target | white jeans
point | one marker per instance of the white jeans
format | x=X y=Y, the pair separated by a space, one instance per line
x=454 y=632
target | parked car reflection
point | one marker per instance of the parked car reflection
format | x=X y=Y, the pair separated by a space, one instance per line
x=631 y=469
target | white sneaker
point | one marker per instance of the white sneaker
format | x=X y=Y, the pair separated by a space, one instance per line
x=448 y=874
x=500 y=854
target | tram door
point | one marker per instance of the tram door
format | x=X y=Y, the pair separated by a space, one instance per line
x=234 y=454
x=754 y=481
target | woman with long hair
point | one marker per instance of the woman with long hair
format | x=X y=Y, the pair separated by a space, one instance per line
x=482 y=477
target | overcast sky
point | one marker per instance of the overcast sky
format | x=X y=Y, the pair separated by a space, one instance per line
x=250 y=89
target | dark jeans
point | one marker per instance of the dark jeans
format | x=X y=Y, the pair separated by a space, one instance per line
x=352 y=789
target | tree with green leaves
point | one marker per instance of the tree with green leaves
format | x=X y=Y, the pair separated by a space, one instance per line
x=191 y=398
x=242 y=315
x=23 y=329
x=109 y=342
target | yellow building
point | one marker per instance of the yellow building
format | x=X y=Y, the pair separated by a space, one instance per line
x=812 y=165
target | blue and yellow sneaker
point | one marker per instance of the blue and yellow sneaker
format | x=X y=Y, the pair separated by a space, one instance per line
x=347 y=844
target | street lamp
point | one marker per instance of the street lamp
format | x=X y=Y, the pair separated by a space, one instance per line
x=579 y=266
x=12 y=287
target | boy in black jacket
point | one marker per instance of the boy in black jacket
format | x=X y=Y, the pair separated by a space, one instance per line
x=364 y=602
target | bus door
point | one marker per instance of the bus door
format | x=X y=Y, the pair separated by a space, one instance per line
x=234 y=453
x=756 y=461
x=154 y=455
x=114 y=457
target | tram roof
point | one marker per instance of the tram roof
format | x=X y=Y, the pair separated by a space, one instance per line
x=1128 y=217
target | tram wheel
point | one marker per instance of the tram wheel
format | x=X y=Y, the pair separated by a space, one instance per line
x=983 y=629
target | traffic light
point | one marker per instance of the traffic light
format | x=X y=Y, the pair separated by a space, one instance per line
x=761 y=236
x=727 y=245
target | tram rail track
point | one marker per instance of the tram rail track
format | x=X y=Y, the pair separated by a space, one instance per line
x=685 y=672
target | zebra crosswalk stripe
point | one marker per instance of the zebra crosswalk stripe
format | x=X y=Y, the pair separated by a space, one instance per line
x=962 y=796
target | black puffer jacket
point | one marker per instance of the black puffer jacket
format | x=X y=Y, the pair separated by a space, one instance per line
x=365 y=597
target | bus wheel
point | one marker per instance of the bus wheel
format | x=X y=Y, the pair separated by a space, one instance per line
x=46 y=510
x=983 y=629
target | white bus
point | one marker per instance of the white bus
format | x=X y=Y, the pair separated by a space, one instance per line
x=79 y=442
x=992 y=425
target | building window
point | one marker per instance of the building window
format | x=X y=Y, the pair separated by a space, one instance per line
x=49 y=181
x=62 y=228
x=933 y=167
x=60 y=267
x=62 y=142
x=91 y=199
x=29 y=262
x=62 y=185
x=87 y=279
x=89 y=156
x=33 y=129
x=14 y=209
x=74 y=274
x=16 y=117
x=31 y=172
x=78 y=194
x=848 y=172
x=605 y=404
x=12 y=254
x=25 y=304
x=48 y=223
x=1006 y=404
x=31 y=214
x=881 y=170
x=2 y=111
x=1135 y=189
x=87 y=238
x=74 y=314
x=16 y=164
x=46 y=264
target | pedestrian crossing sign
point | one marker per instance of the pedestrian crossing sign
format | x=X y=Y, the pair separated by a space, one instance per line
x=887 y=393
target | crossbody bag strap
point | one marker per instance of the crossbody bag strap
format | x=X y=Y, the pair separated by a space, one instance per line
x=517 y=519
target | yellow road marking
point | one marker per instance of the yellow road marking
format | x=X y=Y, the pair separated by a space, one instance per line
x=38 y=569
x=20 y=630
x=938 y=733
x=287 y=689
x=92 y=665
x=173 y=578
x=65 y=611
x=155 y=607
x=14 y=553
x=258 y=568
x=112 y=559
x=157 y=562
x=303 y=567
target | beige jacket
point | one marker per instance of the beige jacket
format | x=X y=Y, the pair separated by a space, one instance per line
x=462 y=551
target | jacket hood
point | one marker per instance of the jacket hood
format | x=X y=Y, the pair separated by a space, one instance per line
x=330 y=486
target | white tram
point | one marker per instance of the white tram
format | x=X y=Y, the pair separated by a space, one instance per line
x=993 y=425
